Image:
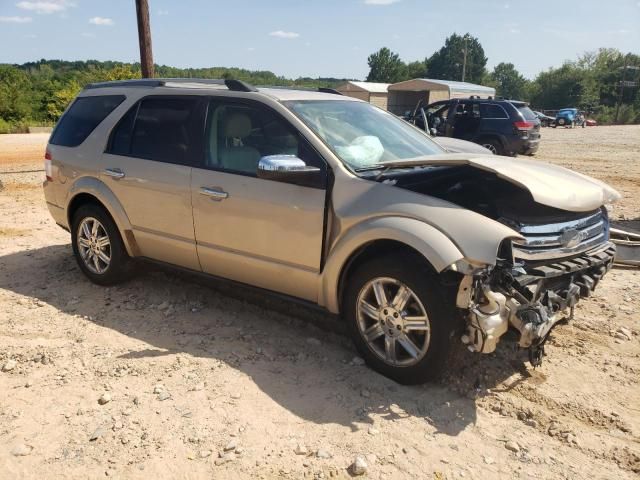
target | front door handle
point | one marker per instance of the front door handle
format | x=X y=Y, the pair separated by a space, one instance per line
x=114 y=172
x=214 y=193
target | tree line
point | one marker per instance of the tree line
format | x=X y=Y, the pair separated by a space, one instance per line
x=38 y=92
x=592 y=82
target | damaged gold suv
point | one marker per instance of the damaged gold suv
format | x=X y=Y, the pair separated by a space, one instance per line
x=331 y=200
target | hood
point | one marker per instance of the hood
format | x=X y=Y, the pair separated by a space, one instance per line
x=455 y=145
x=548 y=184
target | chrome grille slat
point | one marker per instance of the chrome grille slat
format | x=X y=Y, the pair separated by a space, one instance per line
x=555 y=240
x=556 y=227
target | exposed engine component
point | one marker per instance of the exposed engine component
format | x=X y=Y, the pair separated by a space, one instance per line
x=487 y=322
x=529 y=300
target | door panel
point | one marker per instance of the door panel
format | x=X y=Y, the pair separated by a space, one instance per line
x=157 y=199
x=265 y=233
x=148 y=167
x=256 y=231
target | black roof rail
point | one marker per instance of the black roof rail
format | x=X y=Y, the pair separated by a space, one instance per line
x=143 y=82
x=234 y=85
x=239 y=86
x=329 y=90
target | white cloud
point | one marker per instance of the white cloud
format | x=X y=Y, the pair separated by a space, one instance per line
x=101 y=21
x=15 y=19
x=380 y=2
x=163 y=12
x=88 y=35
x=251 y=49
x=283 y=34
x=45 y=7
x=30 y=35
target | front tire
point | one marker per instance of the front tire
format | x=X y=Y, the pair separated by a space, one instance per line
x=399 y=317
x=98 y=247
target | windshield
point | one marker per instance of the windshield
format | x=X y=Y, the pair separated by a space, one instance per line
x=361 y=135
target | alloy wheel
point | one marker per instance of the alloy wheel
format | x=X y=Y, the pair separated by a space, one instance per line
x=94 y=245
x=393 y=322
x=491 y=147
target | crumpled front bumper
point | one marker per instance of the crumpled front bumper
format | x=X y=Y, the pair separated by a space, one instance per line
x=529 y=299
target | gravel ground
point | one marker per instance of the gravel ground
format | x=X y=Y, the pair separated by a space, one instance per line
x=168 y=376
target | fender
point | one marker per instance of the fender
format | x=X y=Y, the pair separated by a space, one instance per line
x=97 y=188
x=435 y=246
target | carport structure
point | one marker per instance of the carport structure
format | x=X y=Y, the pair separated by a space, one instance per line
x=404 y=96
x=374 y=93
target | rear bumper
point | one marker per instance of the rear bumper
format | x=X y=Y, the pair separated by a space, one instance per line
x=58 y=215
x=524 y=146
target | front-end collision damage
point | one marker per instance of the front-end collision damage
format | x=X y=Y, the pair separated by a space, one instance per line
x=529 y=300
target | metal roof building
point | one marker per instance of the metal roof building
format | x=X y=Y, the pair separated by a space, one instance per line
x=405 y=95
x=375 y=93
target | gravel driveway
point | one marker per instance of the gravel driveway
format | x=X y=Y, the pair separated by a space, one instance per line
x=169 y=376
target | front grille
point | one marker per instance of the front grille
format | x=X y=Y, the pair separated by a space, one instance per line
x=564 y=239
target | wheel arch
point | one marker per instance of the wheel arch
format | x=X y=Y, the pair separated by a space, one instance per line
x=92 y=190
x=382 y=236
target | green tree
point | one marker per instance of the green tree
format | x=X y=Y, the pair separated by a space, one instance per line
x=446 y=63
x=509 y=83
x=385 y=66
x=416 y=69
x=14 y=94
x=61 y=98
x=122 y=72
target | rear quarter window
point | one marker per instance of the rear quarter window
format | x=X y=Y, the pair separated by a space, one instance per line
x=83 y=116
x=527 y=113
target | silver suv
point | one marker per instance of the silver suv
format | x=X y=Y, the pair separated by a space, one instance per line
x=331 y=200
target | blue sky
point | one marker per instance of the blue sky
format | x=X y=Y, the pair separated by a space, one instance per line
x=315 y=38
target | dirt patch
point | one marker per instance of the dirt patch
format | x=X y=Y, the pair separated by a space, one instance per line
x=169 y=376
x=22 y=148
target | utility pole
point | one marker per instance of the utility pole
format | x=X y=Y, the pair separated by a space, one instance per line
x=144 y=38
x=464 y=60
x=626 y=83
x=624 y=76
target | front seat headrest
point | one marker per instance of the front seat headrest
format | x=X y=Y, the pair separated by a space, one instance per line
x=238 y=125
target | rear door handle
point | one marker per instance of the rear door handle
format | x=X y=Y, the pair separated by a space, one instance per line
x=114 y=172
x=214 y=193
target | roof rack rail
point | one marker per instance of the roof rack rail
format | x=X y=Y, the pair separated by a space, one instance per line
x=233 y=85
x=143 y=82
x=329 y=90
x=239 y=86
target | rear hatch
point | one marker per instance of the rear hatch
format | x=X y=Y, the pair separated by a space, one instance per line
x=530 y=122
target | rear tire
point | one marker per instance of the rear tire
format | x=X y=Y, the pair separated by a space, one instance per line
x=493 y=144
x=404 y=332
x=98 y=247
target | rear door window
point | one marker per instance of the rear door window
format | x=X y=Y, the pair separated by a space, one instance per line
x=492 y=111
x=83 y=116
x=164 y=129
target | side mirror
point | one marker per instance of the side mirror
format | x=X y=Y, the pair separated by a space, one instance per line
x=289 y=169
x=434 y=132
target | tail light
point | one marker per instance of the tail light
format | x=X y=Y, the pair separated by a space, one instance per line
x=522 y=126
x=48 y=169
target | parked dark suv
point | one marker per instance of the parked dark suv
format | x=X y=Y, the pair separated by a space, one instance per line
x=506 y=127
